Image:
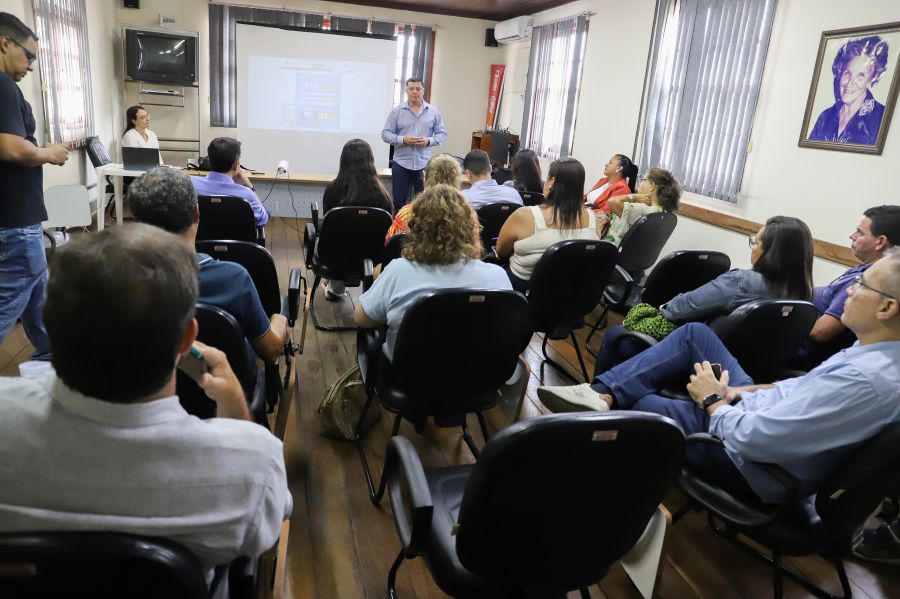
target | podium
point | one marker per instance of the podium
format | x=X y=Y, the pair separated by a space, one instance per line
x=492 y=142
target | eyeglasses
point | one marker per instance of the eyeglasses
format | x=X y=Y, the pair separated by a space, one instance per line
x=859 y=282
x=31 y=56
x=752 y=241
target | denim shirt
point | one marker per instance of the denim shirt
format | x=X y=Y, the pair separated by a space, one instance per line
x=720 y=296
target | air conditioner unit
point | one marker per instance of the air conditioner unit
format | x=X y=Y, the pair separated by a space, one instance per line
x=514 y=29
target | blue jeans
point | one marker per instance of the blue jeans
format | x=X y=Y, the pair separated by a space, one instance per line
x=606 y=359
x=23 y=277
x=636 y=383
x=402 y=179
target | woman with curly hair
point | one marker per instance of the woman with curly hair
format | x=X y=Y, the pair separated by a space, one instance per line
x=440 y=170
x=658 y=191
x=442 y=251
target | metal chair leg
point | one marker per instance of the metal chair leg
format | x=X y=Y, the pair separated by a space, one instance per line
x=584 y=371
x=483 y=422
x=374 y=496
x=601 y=322
x=585 y=594
x=553 y=362
x=467 y=437
x=392 y=575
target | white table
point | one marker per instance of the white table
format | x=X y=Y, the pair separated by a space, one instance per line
x=117 y=172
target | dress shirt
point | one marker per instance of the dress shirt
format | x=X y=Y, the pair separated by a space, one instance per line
x=71 y=462
x=220 y=184
x=402 y=121
x=487 y=191
x=807 y=424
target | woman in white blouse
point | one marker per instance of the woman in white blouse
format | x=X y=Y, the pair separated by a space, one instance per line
x=137 y=134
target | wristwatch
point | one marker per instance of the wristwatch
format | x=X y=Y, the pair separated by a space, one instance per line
x=711 y=399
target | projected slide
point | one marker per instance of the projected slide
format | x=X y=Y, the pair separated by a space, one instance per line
x=295 y=94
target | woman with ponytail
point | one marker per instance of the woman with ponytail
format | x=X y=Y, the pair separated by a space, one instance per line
x=619 y=178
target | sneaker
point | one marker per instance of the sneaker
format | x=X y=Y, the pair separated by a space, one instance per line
x=330 y=295
x=578 y=398
x=878 y=545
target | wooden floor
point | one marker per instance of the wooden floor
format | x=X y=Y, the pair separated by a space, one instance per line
x=341 y=546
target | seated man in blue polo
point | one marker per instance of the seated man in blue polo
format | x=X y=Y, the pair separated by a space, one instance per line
x=165 y=198
x=485 y=190
x=227 y=178
x=877 y=232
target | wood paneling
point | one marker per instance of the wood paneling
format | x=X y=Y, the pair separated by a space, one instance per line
x=492 y=10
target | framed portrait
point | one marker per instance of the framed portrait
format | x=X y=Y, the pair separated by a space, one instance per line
x=853 y=90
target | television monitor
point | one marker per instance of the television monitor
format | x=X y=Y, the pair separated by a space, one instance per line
x=161 y=56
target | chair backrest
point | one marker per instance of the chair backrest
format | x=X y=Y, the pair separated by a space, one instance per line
x=765 y=334
x=532 y=198
x=459 y=343
x=258 y=262
x=858 y=484
x=553 y=501
x=226 y=217
x=100 y=565
x=350 y=234
x=96 y=152
x=682 y=271
x=568 y=281
x=642 y=243
x=67 y=206
x=218 y=329
x=393 y=248
x=492 y=217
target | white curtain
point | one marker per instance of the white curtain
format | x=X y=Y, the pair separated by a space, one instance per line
x=554 y=80
x=706 y=65
x=61 y=26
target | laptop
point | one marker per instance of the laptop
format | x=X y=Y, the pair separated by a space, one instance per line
x=140 y=159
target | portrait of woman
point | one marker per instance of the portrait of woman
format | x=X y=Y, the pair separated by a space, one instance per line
x=849 y=108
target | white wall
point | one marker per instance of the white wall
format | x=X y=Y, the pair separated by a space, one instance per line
x=828 y=190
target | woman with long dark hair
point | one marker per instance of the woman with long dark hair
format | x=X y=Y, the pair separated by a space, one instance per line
x=619 y=178
x=526 y=172
x=532 y=229
x=137 y=132
x=357 y=182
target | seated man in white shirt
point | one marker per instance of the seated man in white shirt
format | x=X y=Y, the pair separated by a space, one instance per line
x=103 y=444
x=485 y=190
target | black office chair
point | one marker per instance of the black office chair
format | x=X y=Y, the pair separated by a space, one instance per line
x=336 y=250
x=491 y=217
x=101 y=565
x=532 y=198
x=219 y=329
x=393 y=249
x=228 y=217
x=550 y=505
x=638 y=250
x=444 y=333
x=566 y=284
x=794 y=526
x=677 y=272
x=98 y=156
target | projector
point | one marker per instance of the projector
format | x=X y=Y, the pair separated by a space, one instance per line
x=283 y=167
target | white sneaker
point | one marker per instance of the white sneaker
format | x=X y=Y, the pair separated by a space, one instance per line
x=578 y=398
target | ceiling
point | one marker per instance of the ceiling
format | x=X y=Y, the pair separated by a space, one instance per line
x=492 y=10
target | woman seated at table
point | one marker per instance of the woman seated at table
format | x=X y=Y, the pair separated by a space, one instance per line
x=440 y=170
x=356 y=184
x=137 y=130
x=781 y=257
x=526 y=172
x=442 y=251
x=532 y=229
x=619 y=177
x=658 y=191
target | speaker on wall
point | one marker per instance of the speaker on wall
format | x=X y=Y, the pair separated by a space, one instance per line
x=489 y=40
x=132 y=3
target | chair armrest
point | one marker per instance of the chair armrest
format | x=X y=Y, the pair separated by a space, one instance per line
x=642 y=338
x=314 y=210
x=309 y=244
x=627 y=281
x=402 y=467
x=369 y=354
x=261 y=236
x=293 y=296
x=368 y=274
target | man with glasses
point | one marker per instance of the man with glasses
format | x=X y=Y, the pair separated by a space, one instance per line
x=806 y=424
x=877 y=231
x=23 y=264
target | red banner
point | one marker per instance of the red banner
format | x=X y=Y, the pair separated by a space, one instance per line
x=495 y=89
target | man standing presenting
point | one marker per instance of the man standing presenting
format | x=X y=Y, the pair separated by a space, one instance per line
x=23 y=264
x=412 y=128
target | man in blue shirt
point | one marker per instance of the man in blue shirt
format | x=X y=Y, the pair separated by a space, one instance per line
x=805 y=424
x=484 y=189
x=23 y=264
x=224 y=155
x=412 y=128
x=164 y=197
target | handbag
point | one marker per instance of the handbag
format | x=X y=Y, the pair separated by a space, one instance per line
x=646 y=319
x=339 y=412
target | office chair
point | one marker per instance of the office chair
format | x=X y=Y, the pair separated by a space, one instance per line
x=550 y=505
x=491 y=217
x=532 y=198
x=98 y=156
x=393 y=249
x=228 y=217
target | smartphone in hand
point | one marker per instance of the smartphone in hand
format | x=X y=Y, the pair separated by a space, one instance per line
x=717 y=370
x=193 y=364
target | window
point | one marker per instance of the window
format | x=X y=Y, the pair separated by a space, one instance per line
x=703 y=82
x=554 y=80
x=61 y=27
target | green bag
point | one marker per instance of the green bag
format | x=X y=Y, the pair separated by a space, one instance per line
x=340 y=410
x=646 y=319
